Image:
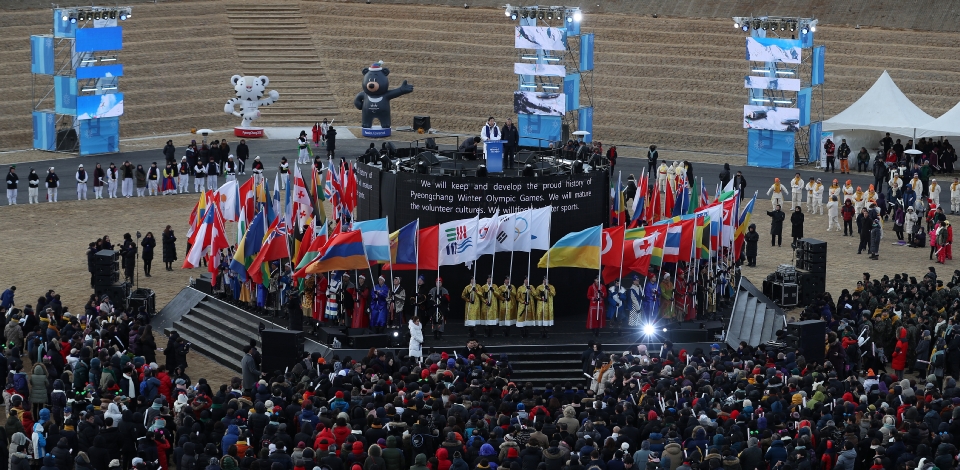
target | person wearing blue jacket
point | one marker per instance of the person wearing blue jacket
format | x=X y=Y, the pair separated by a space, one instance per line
x=230 y=438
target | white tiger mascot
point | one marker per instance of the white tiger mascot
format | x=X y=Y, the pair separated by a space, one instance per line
x=250 y=92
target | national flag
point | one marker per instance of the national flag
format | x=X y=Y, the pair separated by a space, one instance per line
x=521 y=232
x=288 y=214
x=642 y=253
x=302 y=202
x=672 y=243
x=653 y=208
x=247 y=199
x=426 y=251
x=704 y=197
x=313 y=250
x=350 y=187
x=668 y=200
x=729 y=220
x=241 y=224
x=229 y=200
x=276 y=208
x=631 y=263
x=639 y=200
x=316 y=194
x=249 y=246
x=302 y=244
x=540 y=228
x=487 y=231
x=618 y=207
x=743 y=224
x=728 y=186
x=196 y=216
x=331 y=187
x=575 y=250
x=611 y=250
x=714 y=213
x=681 y=202
x=694 y=198
x=376 y=239
x=274 y=247
x=343 y=252
x=210 y=239
x=506 y=232
x=403 y=244
x=458 y=241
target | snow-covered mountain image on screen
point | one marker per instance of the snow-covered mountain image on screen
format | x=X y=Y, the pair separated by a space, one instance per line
x=534 y=37
x=532 y=102
x=773 y=50
x=770 y=118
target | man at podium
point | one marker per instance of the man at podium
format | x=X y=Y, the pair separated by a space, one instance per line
x=489 y=132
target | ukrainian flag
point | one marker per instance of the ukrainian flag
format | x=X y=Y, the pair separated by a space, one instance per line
x=575 y=250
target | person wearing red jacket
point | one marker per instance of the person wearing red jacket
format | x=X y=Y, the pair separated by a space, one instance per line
x=596 y=316
x=166 y=383
x=899 y=362
x=324 y=434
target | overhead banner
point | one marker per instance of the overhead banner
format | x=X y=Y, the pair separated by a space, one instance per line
x=814 y=144
x=539 y=131
x=540 y=70
x=770 y=118
x=586 y=52
x=535 y=37
x=804 y=97
x=65 y=94
x=99 y=39
x=773 y=50
x=41 y=54
x=534 y=102
x=768 y=83
x=571 y=88
x=63 y=28
x=585 y=122
x=99 y=106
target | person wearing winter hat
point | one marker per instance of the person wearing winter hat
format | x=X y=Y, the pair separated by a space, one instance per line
x=53 y=183
x=82 y=177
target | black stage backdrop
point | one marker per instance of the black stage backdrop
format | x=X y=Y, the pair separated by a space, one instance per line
x=579 y=202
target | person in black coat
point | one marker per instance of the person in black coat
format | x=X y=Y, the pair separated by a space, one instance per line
x=171 y=350
x=169 y=248
x=725 y=176
x=751 y=238
x=128 y=253
x=243 y=153
x=740 y=183
x=331 y=142
x=148 y=244
x=170 y=153
x=864 y=224
x=776 y=226
x=511 y=137
x=796 y=222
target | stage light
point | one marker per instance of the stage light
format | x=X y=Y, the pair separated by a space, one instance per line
x=396 y=334
x=569 y=19
x=783 y=26
x=649 y=330
x=804 y=30
x=73 y=20
x=577 y=16
x=540 y=15
x=507 y=10
x=745 y=27
x=513 y=16
x=764 y=25
x=96 y=15
x=113 y=14
x=81 y=15
x=664 y=329
x=813 y=28
x=123 y=16
x=793 y=26
x=64 y=17
x=756 y=25
x=550 y=15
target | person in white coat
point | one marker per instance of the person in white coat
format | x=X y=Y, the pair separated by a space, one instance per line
x=833 y=214
x=415 y=349
x=796 y=188
x=778 y=192
x=489 y=131
x=809 y=187
x=82 y=178
x=183 y=172
x=955 y=196
x=935 y=190
x=199 y=177
x=818 y=197
x=848 y=192
x=113 y=175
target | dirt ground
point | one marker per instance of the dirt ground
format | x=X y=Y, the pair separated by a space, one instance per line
x=46 y=244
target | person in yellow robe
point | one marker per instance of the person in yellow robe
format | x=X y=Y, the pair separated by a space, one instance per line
x=525 y=306
x=471 y=306
x=489 y=306
x=507 y=298
x=666 y=297
x=545 y=294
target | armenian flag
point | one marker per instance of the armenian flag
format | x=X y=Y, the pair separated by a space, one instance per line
x=343 y=252
x=575 y=250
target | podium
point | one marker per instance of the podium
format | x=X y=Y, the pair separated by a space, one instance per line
x=493 y=152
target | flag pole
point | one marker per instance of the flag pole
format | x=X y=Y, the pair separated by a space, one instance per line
x=391 y=257
x=416 y=270
x=599 y=273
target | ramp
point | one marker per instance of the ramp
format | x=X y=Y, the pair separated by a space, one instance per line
x=755 y=319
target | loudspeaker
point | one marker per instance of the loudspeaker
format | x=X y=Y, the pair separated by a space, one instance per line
x=786 y=295
x=526 y=156
x=421 y=122
x=105 y=280
x=564 y=132
x=203 y=283
x=813 y=245
x=810 y=339
x=106 y=269
x=106 y=257
x=143 y=298
x=369 y=341
x=327 y=334
x=118 y=293
x=66 y=140
x=281 y=349
x=429 y=158
x=294 y=311
x=815 y=257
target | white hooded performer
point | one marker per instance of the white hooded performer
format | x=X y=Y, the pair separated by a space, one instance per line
x=955 y=196
x=489 y=132
x=82 y=178
x=809 y=187
x=817 y=197
x=833 y=214
x=415 y=348
x=796 y=191
x=778 y=192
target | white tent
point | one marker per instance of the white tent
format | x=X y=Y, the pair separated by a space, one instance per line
x=947 y=125
x=883 y=108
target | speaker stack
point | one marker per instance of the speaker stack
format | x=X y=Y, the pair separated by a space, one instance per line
x=811 y=269
x=808 y=337
x=106 y=277
x=281 y=349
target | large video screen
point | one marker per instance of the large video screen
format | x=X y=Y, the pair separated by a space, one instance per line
x=535 y=102
x=540 y=70
x=99 y=106
x=770 y=118
x=767 y=83
x=535 y=37
x=100 y=71
x=99 y=39
x=773 y=50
